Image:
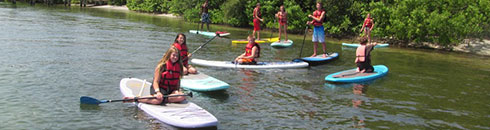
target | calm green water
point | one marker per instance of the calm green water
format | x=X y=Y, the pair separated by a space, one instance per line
x=49 y=57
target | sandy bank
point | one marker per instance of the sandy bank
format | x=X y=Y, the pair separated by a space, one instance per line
x=124 y=7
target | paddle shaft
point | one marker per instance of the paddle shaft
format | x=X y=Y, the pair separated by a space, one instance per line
x=204 y=44
x=304 y=37
x=120 y=100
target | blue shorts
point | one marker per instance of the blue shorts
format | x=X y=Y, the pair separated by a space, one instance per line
x=318 y=34
x=205 y=18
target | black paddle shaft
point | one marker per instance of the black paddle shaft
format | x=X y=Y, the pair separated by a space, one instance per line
x=304 y=37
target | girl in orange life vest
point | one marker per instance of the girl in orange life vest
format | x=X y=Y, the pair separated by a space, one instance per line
x=180 y=43
x=257 y=20
x=363 y=56
x=252 y=51
x=318 y=30
x=368 y=26
x=166 y=79
x=283 y=21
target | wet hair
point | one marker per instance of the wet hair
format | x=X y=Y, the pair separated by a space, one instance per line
x=185 y=39
x=363 y=40
x=250 y=36
x=166 y=57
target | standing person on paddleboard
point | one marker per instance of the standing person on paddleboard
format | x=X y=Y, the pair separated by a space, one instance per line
x=363 y=56
x=283 y=21
x=166 y=79
x=367 y=27
x=180 y=43
x=205 y=15
x=252 y=52
x=257 y=20
x=318 y=30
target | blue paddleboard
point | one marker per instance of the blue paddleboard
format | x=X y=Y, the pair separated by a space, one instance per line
x=202 y=82
x=351 y=76
x=319 y=59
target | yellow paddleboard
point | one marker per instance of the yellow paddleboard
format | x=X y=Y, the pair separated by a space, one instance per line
x=265 y=40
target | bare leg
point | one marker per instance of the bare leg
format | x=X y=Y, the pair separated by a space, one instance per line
x=176 y=99
x=285 y=31
x=315 y=45
x=324 y=49
x=207 y=24
x=258 y=35
x=191 y=70
x=279 y=32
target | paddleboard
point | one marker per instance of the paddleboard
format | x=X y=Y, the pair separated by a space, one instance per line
x=263 y=40
x=211 y=34
x=351 y=76
x=319 y=59
x=202 y=82
x=259 y=65
x=357 y=45
x=282 y=44
x=185 y=114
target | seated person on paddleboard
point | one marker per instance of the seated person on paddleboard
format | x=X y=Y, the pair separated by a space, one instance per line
x=180 y=43
x=363 y=56
x=252 y=52
x=166 y=79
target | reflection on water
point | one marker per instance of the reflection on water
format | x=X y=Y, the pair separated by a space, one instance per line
x=359 y=90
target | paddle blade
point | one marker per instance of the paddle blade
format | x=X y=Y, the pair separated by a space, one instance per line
x=89 y=100
x=190 y=94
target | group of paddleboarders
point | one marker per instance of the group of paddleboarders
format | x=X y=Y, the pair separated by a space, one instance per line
x=174 y=63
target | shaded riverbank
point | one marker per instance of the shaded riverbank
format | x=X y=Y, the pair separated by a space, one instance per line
x=473 y=46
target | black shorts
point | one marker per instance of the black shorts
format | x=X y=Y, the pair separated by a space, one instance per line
x=365 y=65
x=163 y=91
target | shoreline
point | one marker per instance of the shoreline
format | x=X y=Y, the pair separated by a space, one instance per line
x=471 y=46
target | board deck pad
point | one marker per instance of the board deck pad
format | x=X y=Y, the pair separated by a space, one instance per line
x=202 y=82
x=184 y=114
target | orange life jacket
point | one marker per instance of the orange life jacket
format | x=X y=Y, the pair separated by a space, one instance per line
x=183 y=52
x=317 y=14
x=170 y=77
x=249 y=47
x=361 y=54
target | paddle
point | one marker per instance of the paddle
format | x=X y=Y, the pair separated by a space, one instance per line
x=93 y=101
x=301 y=51
x=217 y=35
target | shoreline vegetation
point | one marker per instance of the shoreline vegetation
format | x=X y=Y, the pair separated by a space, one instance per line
x=450 y=25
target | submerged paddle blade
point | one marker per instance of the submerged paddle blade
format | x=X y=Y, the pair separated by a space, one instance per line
x=89 y=100
x=190 y=94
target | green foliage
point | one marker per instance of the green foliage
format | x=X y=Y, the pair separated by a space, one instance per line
x=444 y=22
x=117 y=2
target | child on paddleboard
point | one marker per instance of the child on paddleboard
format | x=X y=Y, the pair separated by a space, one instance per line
x=166 y=79
x=363 y=56
x=283 y=22
x=367 y=27
x=252 y=52
x=318 y=30
x=257 y=20
x=180 y=43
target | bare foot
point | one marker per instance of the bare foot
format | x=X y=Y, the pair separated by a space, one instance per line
x=324 y=56
x=314 y=55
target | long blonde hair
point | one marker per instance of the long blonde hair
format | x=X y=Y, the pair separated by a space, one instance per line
x=166 y=57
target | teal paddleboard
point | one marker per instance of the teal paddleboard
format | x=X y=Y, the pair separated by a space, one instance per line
x=202 y=82
x=351 y=76
x=211 y=34
x=357 y=45
x=282 y=44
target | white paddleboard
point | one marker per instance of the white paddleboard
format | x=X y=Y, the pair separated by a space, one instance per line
x=259 y=65
x=184 y=115
x=202 y=82
x=211 y=34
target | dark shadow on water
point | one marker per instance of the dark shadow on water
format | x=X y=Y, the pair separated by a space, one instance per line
x=221 y=95
x=89 y=107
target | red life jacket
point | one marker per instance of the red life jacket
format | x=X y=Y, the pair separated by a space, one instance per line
x=170 y=77
x=258 y=11
x=317 y=14
x=183 y=52
x=361 y=54
x=249 y=47
x=368 y=23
